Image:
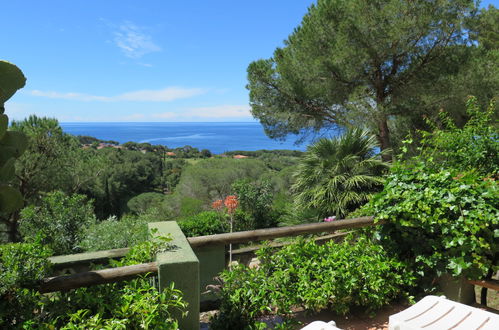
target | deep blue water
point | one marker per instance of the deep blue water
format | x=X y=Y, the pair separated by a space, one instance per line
x=216 y=137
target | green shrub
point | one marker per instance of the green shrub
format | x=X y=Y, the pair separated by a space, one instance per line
x=138 y=306
x=337 y=175
x=255 y=198
x=134 y=304
x=22 y=266
x=142 y=203
x=443 y=221
x=59 y=221
x=474 y=147
x=190 y=206
x=113 y=233
x=316 y=277
x=442 y=205
x=204 y=223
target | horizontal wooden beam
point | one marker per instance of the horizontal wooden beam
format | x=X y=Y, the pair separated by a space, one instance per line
x=110 y=275
x=271 y=233
x=85 y=279
x=319 y=240
x=221 y=239
x=489 y=284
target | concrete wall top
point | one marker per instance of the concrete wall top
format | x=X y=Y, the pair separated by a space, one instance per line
x=181 y=251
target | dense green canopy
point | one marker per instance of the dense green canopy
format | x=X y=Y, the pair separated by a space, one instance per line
x=363 y=63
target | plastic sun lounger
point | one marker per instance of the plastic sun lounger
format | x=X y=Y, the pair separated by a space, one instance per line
x=320 y=325
x=434 y=313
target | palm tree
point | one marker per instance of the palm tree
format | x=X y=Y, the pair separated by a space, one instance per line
x=337 y=175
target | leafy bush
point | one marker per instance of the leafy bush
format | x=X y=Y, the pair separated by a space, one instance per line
x=22 y=266
x=133 y=304
x=474 y=147
x=113 y=233
x=142 y=203
x=256 y=199
x=443 y=221
x=338 y=175
x=316 y=277
x=60 y=220
x=204 y=223
x=442 y=205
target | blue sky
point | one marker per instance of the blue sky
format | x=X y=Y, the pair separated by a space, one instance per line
x=151 y=60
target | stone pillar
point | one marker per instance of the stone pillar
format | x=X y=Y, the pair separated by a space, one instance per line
x=211 y=263
x=457 y=289
x=180 y=266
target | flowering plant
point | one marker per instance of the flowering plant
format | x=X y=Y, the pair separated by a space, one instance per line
x=231 y=203
x=330 y=218
x=217 y=205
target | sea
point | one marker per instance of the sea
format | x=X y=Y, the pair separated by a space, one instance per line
x=216 y=137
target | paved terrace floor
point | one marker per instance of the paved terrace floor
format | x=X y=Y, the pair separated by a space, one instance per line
x=358 y=320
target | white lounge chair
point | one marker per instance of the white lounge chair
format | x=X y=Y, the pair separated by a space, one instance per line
x=432 y=313
x=320 y=325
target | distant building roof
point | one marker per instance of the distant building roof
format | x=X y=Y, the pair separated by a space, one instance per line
x=239 y=156
x=169 y=153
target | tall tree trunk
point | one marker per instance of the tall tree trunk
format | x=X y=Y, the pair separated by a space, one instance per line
x=384 y=138
x=384 y=132
x=13 y=228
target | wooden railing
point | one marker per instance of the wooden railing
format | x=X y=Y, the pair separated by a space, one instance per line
x=84 y=279
x=95 y=277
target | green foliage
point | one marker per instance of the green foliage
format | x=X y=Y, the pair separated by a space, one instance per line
x=49 y=163
x=138 y=306
x=440 y=221
x=60 y=221
x=142 y=203
x=190 y=206
x=338 y=175
x=127 y=174
x=204 y=223
x=474 y=147
x=442 y=204
x=12 y=145
x=22 y=266
x=356 y=62
x=172 y=170
x=312 y=276
x=211 y=179
x=11 y=80
x=114 y=234
x=485 y=28
x=134 y=304
x=256 y=199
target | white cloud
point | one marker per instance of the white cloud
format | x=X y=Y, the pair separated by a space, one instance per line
x=160 y=95
x=69 y=96
x=133 y=41
x=17 y=111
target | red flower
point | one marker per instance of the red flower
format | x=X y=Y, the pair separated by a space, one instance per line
x=231 y=203
x=217 y=205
